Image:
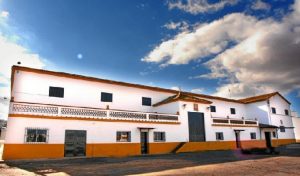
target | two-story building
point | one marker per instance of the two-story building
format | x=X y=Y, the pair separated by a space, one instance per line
x=56 y=115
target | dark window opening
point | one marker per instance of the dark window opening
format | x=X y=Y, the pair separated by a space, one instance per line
x=146 y=101
x=196 y=107
x=282 y=129
x=123 y=136
x=56 y=92
x=219 y=136
x=36 y=135
x=232 y=110
x=253 y=135
x=106 y=97
x=213 y=109
x=274 y=134
x=274 y=110
x=159 y=136
x=286 y=112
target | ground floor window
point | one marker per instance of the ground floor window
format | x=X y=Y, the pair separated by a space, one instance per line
x=36 y=135
x=253 y=135
x=159 y=136
x=219 y=136
x=123 y=136
x=282 y=129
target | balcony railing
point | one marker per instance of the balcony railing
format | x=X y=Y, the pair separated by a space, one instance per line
x=91 y=113
x=233 y=122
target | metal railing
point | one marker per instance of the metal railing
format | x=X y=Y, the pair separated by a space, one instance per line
x=93 y=113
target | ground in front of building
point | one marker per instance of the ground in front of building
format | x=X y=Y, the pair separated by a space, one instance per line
x=200 y=163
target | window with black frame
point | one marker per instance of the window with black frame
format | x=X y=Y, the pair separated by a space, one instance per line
x=36 y=135
x=123 y=136
x=219 y=136
x=232 y=110
x=159 y=136
x=146 y=101
x=106 y=97
x=213 y=109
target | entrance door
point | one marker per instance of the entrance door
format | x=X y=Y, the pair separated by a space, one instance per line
x=268 y=139
x=237 y=139
x=144 y=142
x=196 y=127
x=75 y=143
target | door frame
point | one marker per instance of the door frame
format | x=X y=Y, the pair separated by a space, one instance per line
x=237 y=139
x=85 y=142
x=268 y=139
x=204 y=129
x=146 y=141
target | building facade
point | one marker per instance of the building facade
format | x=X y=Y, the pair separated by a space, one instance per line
x=56 y=115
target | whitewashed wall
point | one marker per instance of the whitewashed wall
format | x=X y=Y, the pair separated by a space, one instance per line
x=296 y=123
x=223 y=109
x=258 y=110
x=97 y=131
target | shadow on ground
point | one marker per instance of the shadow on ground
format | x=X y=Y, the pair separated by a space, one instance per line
x=142 y=164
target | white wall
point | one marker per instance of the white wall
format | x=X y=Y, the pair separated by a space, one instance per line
x=97 y=131
x=258 y=110
x=34 y=88
x=296 y=123
x=223 y=109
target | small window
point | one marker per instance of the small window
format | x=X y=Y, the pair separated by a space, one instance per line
x=213 y=109
x=282 y=129
x=146 y=101
x=274 y=134
x=286 y=112
x=106 y=97
x=36 y=135
x=159 y=136
x=56 y=92
x=281 y=122
x=196 y=107
x=219 y=136
x=274 y=110
x=253 y=135
x=232 y=110
x=123 y=136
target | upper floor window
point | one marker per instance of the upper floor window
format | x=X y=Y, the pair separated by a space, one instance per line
x=196 y=107
x=219 y=136
x=36 y=135
x=146 y=101
x=159 y=136
x=106 y=97
x=123 y=136
x=286 y=112
x=213 y=109
x=232 y=110
x=56 y=92
x=273 y=110
x=253 y=135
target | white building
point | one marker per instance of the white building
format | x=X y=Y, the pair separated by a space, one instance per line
x=56 y=115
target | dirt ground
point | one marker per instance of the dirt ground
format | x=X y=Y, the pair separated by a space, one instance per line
x=201 y=163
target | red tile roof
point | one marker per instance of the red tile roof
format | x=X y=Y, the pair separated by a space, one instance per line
x=261 y=98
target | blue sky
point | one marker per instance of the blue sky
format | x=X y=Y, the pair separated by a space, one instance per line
x=124 y=40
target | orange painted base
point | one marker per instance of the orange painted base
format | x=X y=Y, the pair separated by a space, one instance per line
x=38 y=151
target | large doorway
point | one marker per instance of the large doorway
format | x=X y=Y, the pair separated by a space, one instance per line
x=196 y=127
x=75 y=143
x=144 y=142
x=268 y=139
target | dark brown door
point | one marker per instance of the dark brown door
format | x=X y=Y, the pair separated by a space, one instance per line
x=75 y=143
x=237 y=139
x=268 y=139
x=144 y=142
x=196 y=127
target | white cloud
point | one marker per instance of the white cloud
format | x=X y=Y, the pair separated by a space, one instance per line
x=182 y=25
x=4 y=14
x=199 y=6
x=264 y=57
x=11 y=52
x=198 y=90
x=260 y=5
x=175 y=88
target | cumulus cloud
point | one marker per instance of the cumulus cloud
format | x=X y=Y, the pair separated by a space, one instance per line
x=264 y=55
x=260 y=5
x=199 y=6
x=198 y=90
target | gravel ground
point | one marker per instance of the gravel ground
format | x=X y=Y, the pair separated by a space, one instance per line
x=200 y=163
